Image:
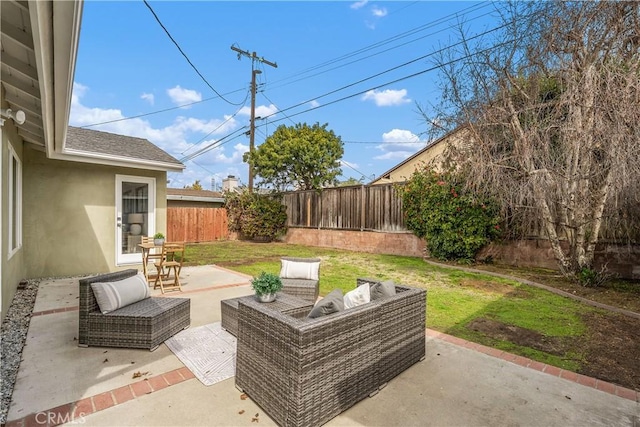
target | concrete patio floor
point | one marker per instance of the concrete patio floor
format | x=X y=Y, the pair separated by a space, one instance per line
x=458 y=384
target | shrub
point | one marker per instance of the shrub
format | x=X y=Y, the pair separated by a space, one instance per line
x=590 y=278
x=455 y=224
x=254 y=215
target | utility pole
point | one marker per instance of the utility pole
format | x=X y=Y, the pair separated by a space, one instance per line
x=252 y=125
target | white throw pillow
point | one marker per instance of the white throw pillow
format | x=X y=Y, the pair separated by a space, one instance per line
x=299 y=270
x=358 y=296
x=114 y=295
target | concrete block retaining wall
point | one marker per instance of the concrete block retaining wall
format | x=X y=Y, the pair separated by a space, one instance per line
x=622 y=260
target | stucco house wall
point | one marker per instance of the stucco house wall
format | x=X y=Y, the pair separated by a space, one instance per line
x=70 y=229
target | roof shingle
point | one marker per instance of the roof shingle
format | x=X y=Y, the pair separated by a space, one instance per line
x=99 y=142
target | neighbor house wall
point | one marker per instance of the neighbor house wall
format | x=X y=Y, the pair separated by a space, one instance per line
x=404 y=171
x=70 y=216
x=433 y=156
x=12 y=267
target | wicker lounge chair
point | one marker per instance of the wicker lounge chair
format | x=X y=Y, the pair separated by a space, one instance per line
x=304 y=372
x=304 y=288
x=144 y=324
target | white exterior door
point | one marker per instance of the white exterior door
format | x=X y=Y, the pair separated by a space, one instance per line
x=135 y=216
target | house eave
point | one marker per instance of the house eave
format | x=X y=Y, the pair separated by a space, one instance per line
x=56 y=31
x=117 y=161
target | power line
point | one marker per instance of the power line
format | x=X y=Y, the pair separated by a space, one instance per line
x=375 y=45
x=267 y=98
x=435 y=67
x=221 y=124
x=381 y=73
x=383 y=142
x=393 y=81
x=185 y=55
x=351 y=167
x=313 y=68
x=155 y=112
x=216 y=144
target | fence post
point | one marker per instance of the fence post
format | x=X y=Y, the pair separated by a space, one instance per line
x=363 y=211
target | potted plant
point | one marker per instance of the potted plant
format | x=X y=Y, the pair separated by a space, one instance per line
x=266 y=285
x=158 y=239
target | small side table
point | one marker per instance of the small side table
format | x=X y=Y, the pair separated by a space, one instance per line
x=283 y=302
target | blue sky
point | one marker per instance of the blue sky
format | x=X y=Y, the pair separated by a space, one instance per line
x=335 y=61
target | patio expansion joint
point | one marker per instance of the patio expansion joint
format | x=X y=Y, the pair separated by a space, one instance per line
x=75 y=412
x=583 y=380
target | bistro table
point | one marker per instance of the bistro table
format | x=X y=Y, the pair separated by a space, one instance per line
x=147 y=254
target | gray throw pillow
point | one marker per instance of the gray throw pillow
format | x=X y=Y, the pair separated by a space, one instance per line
x=332 y=303
x=383 y=289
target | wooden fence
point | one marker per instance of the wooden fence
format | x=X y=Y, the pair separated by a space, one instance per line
x=363 y=208
x=370 y=208
x=193 y=225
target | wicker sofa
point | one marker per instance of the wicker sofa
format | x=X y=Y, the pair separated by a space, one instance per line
x=144 y=324
x=304 y=372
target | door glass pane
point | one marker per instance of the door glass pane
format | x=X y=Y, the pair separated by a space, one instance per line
x=135 y=215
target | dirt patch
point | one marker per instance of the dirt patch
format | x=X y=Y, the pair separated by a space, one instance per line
x=611 y=347
x=520 y=336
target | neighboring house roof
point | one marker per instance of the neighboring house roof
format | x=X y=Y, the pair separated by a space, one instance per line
x=194 y=195
x=111 y=148
x=432 y=152
x=39 y=48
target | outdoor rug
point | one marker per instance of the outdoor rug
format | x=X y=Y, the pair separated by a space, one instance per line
x=208 y=351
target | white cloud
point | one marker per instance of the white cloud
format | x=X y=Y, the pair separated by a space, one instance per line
x=175 y=138
x=387 y=97
x=314 y=104
x=261 y=111
x=180 y=96
x=379 y=12
x=400 y=136
x=399 y=144
x=359 y=4
x=148 y=97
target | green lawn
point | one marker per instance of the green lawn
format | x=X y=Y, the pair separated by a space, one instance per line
x=455 y=299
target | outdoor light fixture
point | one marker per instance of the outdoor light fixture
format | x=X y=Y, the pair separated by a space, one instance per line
x=7 y=113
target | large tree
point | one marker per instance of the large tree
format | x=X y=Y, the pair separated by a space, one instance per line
x=553 y=106
x=301 y=157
